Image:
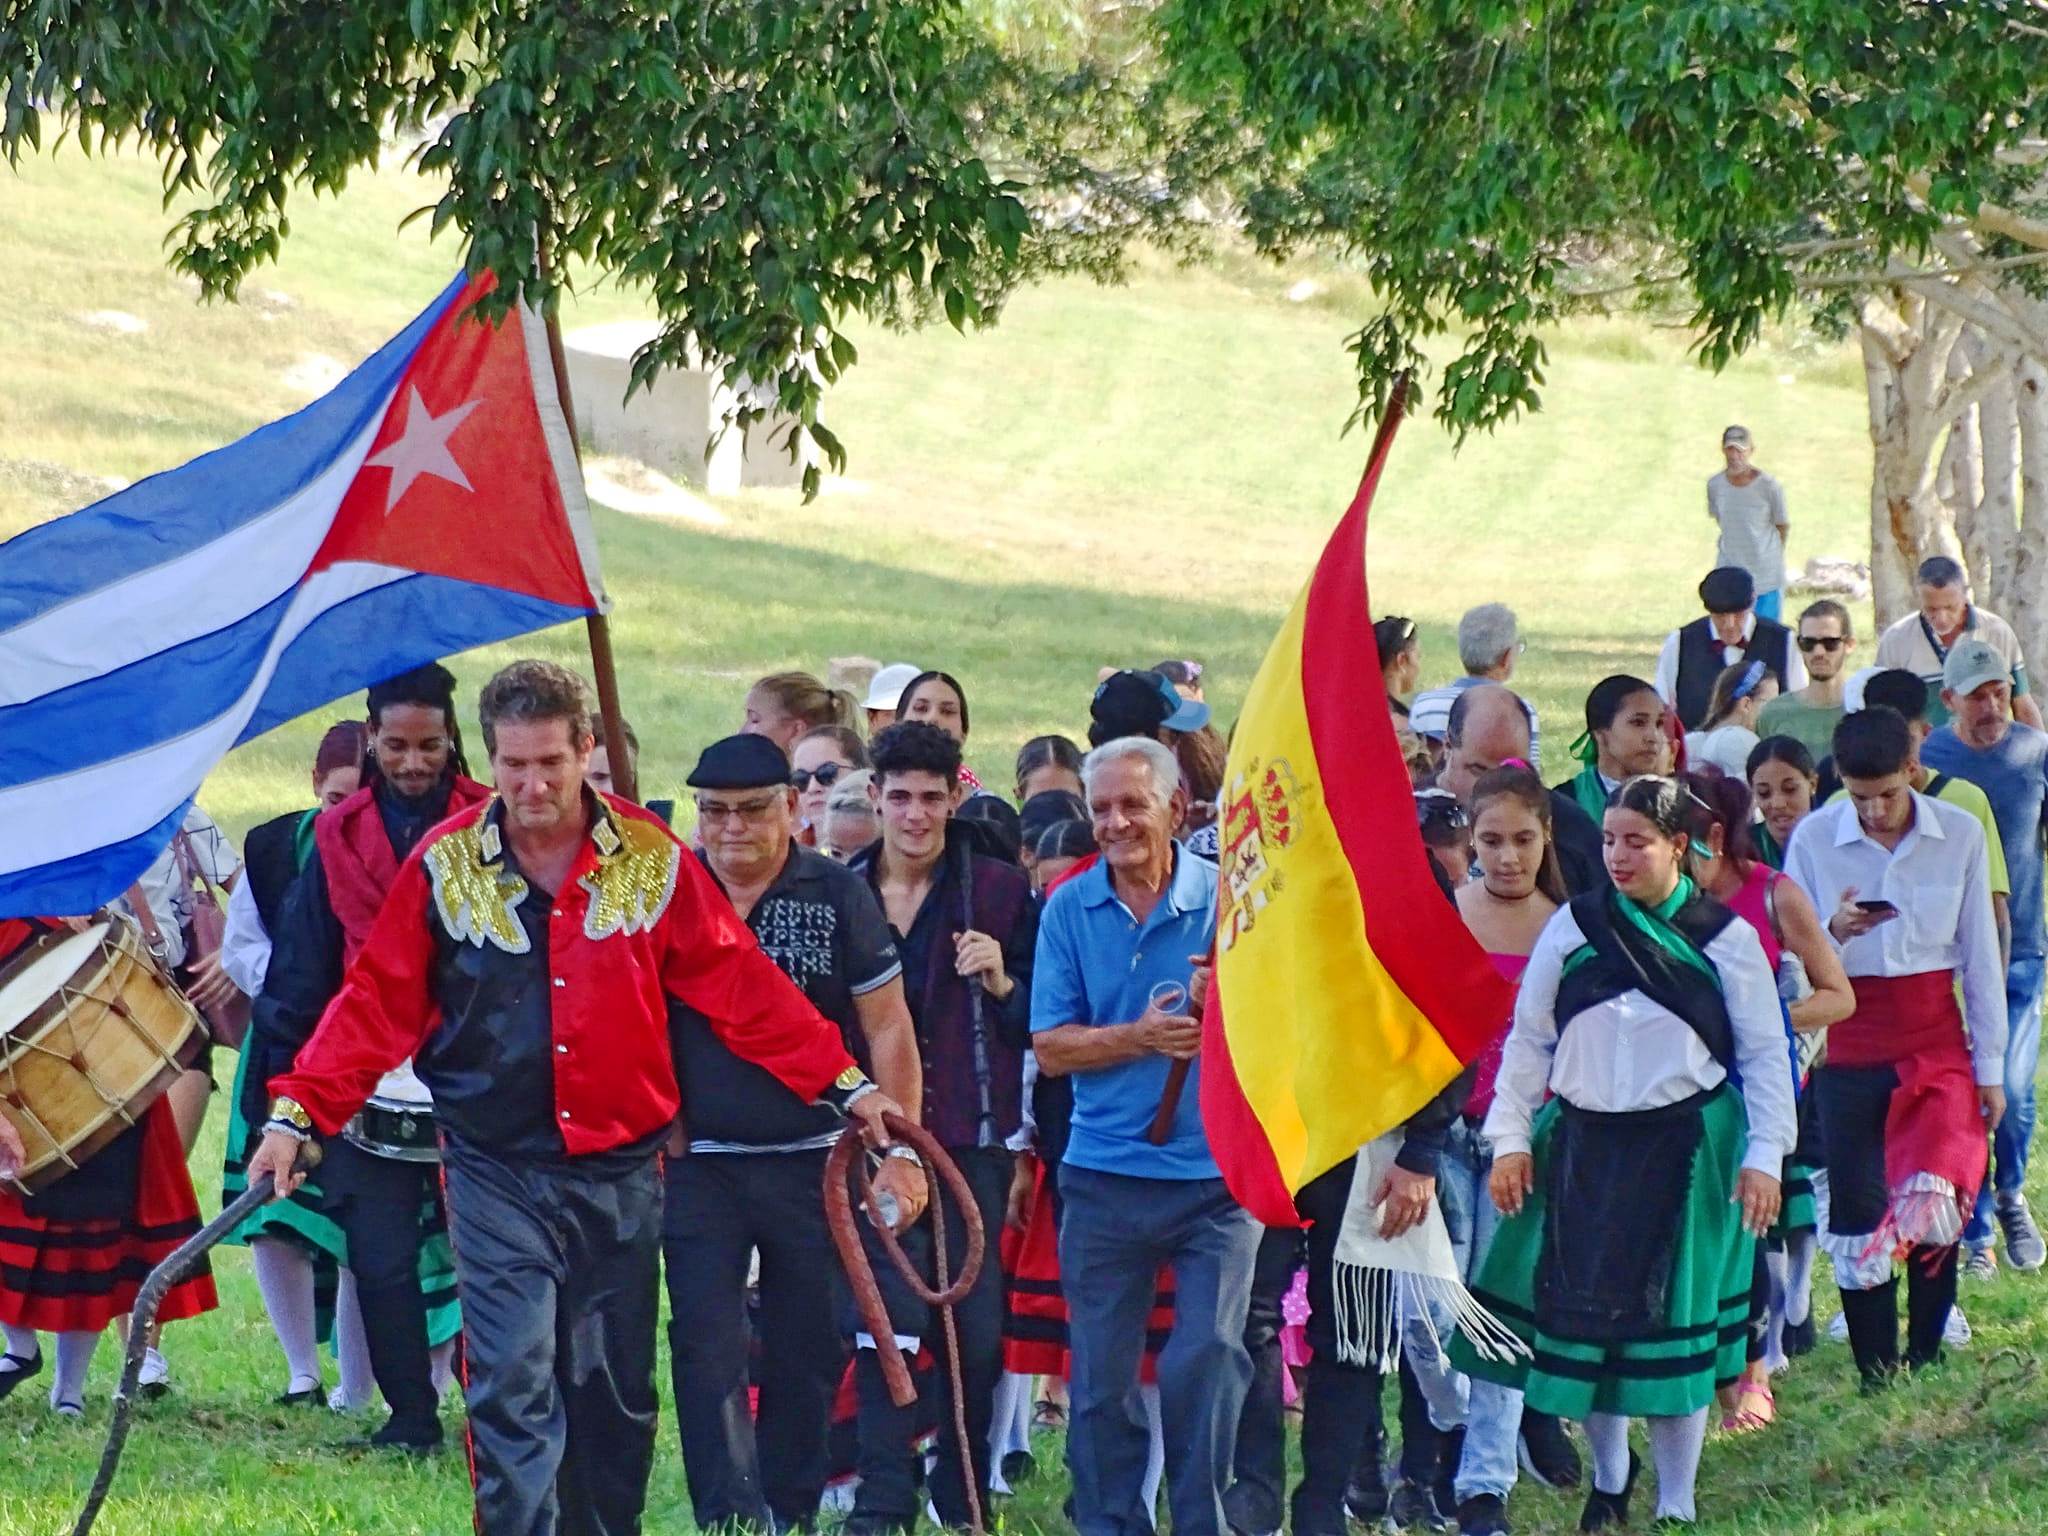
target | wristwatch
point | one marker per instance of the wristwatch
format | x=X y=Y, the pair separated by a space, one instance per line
x=847 y=1087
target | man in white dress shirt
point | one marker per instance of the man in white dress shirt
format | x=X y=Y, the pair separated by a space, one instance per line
x=1729 y=631
x=1905 y=1099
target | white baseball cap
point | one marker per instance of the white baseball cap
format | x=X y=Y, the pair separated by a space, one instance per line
x=886 y=690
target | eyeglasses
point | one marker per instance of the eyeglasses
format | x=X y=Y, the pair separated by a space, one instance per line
x=1829 y=643
x=714 y=811
x=827 y=774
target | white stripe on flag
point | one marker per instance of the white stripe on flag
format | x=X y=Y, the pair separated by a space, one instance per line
x=199 y=592
x=74 y=813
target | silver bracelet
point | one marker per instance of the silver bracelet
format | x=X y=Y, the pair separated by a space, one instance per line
x=287 y=1128
x=907 y=1153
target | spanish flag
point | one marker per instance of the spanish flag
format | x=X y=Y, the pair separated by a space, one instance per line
x=1347 y=990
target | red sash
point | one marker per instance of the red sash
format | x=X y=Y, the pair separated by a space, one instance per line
x=357 y=858
x=1912 y=1025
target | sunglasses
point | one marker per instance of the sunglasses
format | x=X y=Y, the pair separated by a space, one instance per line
x=827 y=774
x=1821 y=642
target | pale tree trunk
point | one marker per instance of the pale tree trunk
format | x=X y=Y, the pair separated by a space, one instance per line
x=1906 y=347
x=2026 y=603
x=1981 y=470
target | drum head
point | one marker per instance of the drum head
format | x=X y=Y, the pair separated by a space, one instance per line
x=34 y=976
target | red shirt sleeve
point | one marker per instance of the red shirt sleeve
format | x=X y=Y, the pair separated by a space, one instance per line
x=380 y=1017
x=711 y=962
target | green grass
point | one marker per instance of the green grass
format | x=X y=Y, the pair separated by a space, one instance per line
x=1109 y=476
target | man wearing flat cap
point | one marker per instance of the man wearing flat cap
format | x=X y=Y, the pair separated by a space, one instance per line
x=1729 y=632
x=755 y=1162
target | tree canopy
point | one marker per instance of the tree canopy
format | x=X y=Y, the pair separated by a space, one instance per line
x=763 y=171
x=1477 y=155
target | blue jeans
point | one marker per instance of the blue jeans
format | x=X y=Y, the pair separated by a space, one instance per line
x=2015 y=1133
x=1115 y=1232
x=1769 y=605
x=1491 y=1414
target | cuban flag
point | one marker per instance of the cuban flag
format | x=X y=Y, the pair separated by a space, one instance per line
x=429 y=503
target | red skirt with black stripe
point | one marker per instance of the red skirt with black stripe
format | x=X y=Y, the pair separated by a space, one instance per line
x=73 y=1257
x=1035 y=1313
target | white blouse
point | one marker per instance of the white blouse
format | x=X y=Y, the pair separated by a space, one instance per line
x=1630 y=1053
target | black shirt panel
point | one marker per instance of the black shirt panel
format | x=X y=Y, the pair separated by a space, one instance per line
x=823 y=929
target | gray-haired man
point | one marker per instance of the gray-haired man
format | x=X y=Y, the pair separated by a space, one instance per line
x=1489 y=640
x=1111 y=940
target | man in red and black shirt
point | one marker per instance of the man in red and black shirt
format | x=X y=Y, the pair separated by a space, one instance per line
x=524 y=961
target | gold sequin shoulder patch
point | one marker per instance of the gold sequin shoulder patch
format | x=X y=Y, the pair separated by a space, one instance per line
x=477 y=900
x=634 y=879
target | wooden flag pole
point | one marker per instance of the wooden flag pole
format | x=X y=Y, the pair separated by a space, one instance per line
x=604 y=670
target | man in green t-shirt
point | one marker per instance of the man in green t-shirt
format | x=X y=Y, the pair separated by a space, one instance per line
x=1809 y=715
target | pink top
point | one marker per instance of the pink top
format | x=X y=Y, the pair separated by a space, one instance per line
x=1748 y=903
x=1510 y=968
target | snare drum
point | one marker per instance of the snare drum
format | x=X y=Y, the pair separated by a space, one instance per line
x=397 y=1129
x=91 y=1034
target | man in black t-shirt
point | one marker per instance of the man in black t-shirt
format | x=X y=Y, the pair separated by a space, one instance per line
x=754 y=1168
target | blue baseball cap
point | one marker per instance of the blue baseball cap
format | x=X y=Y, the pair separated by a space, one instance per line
x=1141 y=704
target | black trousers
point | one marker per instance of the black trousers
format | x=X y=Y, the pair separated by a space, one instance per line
x=888 y=1471
x=559 y=1270
x=376 y=1202
x=1257 y=1500
x=720 y=1207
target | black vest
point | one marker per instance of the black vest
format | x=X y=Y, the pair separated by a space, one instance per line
x=1699 y=662
x=270 y=855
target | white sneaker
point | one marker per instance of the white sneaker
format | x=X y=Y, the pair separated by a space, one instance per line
x=1956 y=1332
x=155 y=1377
x=1838 y=1330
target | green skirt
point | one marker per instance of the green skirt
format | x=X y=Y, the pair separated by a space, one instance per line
x=1703 y=1343
x=1799 y=1213
x=303 y=1218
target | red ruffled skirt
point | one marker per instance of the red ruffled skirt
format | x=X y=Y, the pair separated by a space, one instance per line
x=62 y=1273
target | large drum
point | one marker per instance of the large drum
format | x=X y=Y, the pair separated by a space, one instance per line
x=91 y=1034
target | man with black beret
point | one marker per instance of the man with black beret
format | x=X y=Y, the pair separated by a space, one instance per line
x=1729 y=632
x=755 y=1162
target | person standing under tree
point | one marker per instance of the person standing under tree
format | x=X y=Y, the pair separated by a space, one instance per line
x=524 y=960
x=1920 y=642
x=1749 y=505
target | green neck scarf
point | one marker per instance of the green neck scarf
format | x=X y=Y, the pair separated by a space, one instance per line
x=1590 y=790
x=1654 y=923
x=1767 y=846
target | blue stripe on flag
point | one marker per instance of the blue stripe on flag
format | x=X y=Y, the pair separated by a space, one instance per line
x=174 y=513
x=387 y=631
x=76 y=886
x=362 y=640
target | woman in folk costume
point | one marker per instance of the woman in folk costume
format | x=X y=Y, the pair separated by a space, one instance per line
x=73 y=1256
x=1815 y=990
x=1634 y=1194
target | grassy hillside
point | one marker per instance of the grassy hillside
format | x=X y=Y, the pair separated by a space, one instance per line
x=1109 y=476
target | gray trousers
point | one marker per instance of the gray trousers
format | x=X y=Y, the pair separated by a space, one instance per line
x=1115 y=1232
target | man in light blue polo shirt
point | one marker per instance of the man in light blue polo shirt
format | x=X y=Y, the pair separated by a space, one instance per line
x=1140 y=920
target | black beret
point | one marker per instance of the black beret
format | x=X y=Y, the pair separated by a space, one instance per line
x=1727 y=589
x=740 y=762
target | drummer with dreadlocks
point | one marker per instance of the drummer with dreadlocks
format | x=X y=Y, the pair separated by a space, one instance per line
x=523 y=960
x=380 y=1190
x=73 y=1256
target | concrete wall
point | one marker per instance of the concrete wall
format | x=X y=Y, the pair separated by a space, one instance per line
x=669 y=425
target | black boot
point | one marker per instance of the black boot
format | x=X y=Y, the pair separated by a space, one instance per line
x=1873 y=1318
x=1365 y=1494
x=1930 y=1296
x=1610 y=1509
